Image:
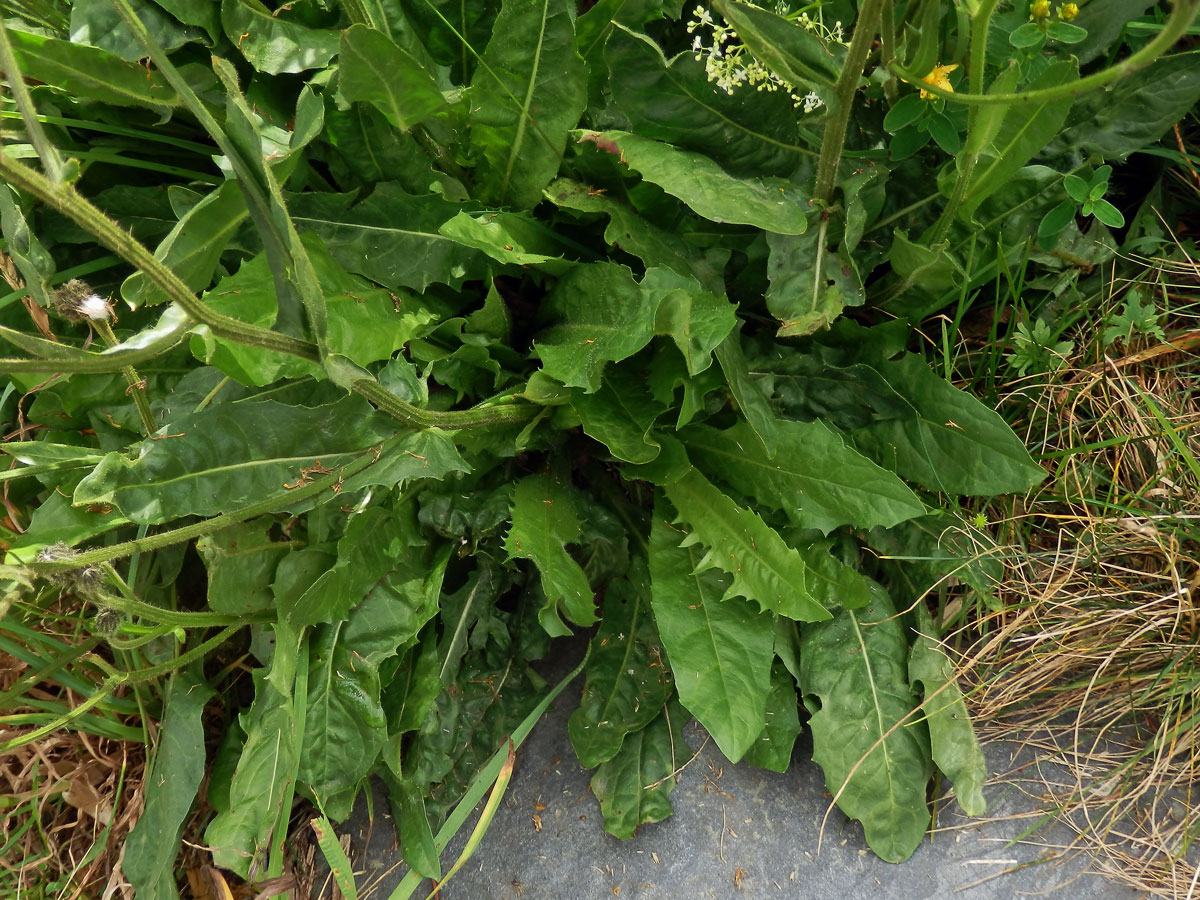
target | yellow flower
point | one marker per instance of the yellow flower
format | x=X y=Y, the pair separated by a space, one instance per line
x=1068 y=11
x=1038 y=10
x=939 y=79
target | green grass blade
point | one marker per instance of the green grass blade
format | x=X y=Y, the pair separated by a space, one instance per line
x=335 y=856
x=483 y=778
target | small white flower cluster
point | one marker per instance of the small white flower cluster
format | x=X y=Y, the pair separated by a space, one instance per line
x=834 y=35
x=728 y=63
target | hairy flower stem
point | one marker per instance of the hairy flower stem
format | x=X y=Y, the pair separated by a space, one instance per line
x=833 y=143
x=137 y=385
x=152 y=634
x=865 y=29
x=176 y=619
x=198 y=652
x=414 y=416
x=49 y=157
x=128 y=603
x=262 y=507
x=1173 y=29
x=75 y=207
x=967 y=161
x=887 y=48
x=92 y=363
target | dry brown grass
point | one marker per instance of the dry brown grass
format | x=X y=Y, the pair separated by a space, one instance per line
x=70 y=800
x=1093 y=658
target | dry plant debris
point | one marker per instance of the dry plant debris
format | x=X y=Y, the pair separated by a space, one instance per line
x=1092 y=657
x=70 y=799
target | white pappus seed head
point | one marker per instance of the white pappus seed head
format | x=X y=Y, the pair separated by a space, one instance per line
x=76 y=301
x=94 y=307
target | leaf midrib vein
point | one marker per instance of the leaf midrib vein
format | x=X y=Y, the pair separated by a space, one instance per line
x=725 y=694
x=865 y=655
x=523 y=117
x=363 y=226
x=202 y=473
x=610 y=700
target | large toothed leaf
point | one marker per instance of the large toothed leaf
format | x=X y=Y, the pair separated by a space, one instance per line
x=654 y=246
x=737 y=541
x=230 y=455
x=271 y=42
x=803 y=299
x=544 y=521
x=530 y=87
x=375 y=545
x=450 y=32
x=429 y=453
x=1135 y=111
x=1024 y=131
x=634 y=787
x=57 y=520
x=955 y=746
x=32 y=259
x=604 y=316
x=946 y=440
x=773 y=204
x=194 y=246
x=814 y=477
x=720 y=650
x=854 y=680
x=391 y=237
x=365 y=149
x=695 y=319
x=751 y=399
x=375 y=70
x=97 y=22
x=241 y=562
x=90 y=72
x=794 y=54
x=346 y=726
x=748 y=132
x=170 y=791
x=621 y=415
x=240 y=835
x=627 y=678
x=496 y=234
x=363 y=323
x=773 y=748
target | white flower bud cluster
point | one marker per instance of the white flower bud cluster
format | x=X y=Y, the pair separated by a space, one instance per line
x=723 y=58
x=728 y=63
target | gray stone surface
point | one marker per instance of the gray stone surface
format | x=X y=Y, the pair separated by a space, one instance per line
x=736 y=832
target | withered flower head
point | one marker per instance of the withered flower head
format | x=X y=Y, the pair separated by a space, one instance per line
x=76 y=301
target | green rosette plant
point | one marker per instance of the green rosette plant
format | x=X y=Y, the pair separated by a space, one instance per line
x=432 y=333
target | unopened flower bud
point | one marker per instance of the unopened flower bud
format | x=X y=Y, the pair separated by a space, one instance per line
x=85 y=579
x=1068 y=11
x=1039 y=10
x=107 y=620
x=59 y=552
